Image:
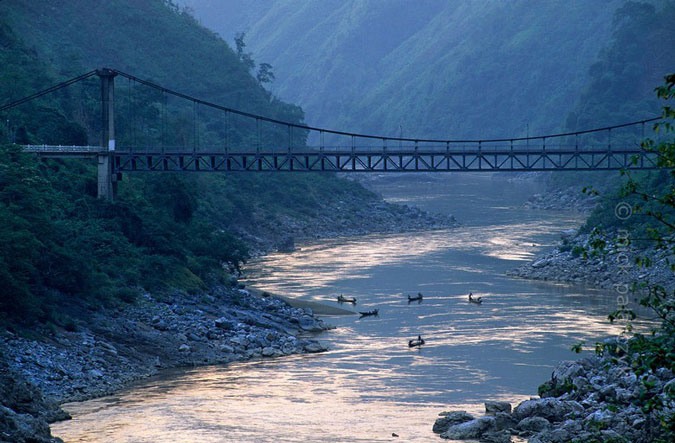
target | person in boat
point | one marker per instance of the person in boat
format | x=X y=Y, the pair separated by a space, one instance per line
x=341 y=299
x=367 y=313
x=418 y=298
x=477 y=300
x=419 y=342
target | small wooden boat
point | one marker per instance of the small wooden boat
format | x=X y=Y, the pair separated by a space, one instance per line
x=415 y=343
x=417 y=299
x=343 y=299
x=477 y=300
x=374 y=312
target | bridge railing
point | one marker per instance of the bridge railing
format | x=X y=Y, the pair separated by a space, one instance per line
x=64 y=149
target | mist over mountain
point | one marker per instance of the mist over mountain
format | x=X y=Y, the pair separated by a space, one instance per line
x=425 y=68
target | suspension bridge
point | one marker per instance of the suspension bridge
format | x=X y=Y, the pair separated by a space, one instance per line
x=292 y=147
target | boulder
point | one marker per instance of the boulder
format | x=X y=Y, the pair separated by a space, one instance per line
x=313 y=347
x=26 y=428
x=309 y=324
x=184 y=348
x=268 y=351
x=95 y=373
x=226 y=349
x=504 y=420
x=533 y=424
x=569 y=431
x=597 y=420
x=160 y=325
x=552 y=409
x=492 y=407
x=451 y=418
x=193 y=337
x=224 y=323
x=470 y=429
x=567 y=370
x=496 y=437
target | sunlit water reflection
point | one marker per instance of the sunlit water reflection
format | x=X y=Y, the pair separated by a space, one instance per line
x=371 y=384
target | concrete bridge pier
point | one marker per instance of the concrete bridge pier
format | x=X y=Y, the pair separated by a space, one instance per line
x=107 y=183
x=107 y=188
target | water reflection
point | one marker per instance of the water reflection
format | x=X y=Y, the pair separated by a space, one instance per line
x=371 y=383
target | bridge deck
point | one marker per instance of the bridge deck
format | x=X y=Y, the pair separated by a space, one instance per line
x=385 y=161
x=361 y=159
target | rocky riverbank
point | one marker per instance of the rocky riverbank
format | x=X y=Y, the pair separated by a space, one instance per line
x=103 y=351
x=570 y=198
x=594 y=399
x=350 y=216
x=599 y=398
x=615 y=270
x=99 y=352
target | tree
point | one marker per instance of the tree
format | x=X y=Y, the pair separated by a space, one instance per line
x=265 y=74
x=245 y=57
x=653 y=196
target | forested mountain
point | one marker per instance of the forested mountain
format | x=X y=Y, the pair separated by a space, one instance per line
x=631 y=64
x=58 y=243
x=430 y=67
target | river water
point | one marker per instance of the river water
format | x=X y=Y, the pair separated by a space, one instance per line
x=370 y=384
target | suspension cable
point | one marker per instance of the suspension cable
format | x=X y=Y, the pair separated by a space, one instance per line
x=307 y=127
x=369 y=136
x=47 y=91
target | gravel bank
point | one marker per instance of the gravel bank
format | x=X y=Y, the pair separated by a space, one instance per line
x=616 y=270
x=346 y=218
x=106 y=350
x=571 y=198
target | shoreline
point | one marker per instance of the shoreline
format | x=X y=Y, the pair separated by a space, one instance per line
x=122 y=346
x=317 y=307
x=99 y=352
x=599 y=398
x=617 y=271
x=197 y=353
x=593 y=399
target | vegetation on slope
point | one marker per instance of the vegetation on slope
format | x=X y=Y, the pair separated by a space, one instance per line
x=61 y=246
x=443 y=69
x=621 y=81
x=647 y=213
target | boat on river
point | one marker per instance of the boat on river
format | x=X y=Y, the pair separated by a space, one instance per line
x=417 y=299
x=416 y=343
x=374 y=313
x=477 y=300
x=342 y=299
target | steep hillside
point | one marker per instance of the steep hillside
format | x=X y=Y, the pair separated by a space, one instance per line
x=454 y=69
x=622 y=78
x=59 y=245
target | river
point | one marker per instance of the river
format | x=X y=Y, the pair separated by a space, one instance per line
x=371 y=384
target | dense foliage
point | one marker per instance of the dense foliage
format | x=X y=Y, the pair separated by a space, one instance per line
x=61 y=246
x=57 y=239
x=621 y=80
x=646 y=217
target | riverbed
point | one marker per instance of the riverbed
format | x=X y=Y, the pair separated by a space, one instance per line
x=371 y=384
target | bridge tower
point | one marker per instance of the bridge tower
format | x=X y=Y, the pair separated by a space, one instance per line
x=107 y=183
